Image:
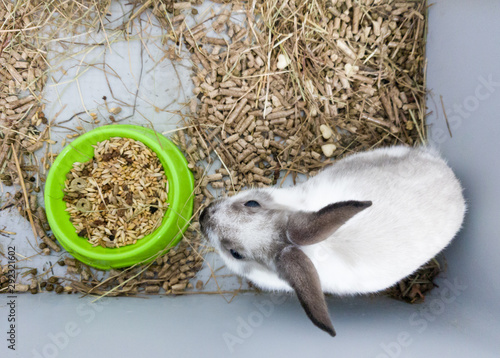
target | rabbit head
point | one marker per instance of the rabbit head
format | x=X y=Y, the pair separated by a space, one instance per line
x=254 y=233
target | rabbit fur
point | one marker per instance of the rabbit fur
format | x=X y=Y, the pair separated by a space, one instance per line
x=359 y=226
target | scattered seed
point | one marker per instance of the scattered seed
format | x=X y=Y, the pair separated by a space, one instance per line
x=119 y=196
x=328 y=149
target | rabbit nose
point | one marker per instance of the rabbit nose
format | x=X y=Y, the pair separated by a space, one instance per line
x=204 y=214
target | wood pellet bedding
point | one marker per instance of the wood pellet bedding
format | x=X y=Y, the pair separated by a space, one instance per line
x=292 y=88
x=119 y=196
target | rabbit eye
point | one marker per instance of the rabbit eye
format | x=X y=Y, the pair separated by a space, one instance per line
x=252 y=204
x=235 y=254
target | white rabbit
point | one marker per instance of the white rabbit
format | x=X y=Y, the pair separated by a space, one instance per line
x=359 y=226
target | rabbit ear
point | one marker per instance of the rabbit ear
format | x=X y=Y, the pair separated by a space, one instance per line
x=295 y=267
x=307 y=228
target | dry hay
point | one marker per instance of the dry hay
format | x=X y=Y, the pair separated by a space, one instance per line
x=25 y=129
x=288 y=90
x=299 y=85
x=413 y=288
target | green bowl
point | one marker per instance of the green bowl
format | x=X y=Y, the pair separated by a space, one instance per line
x=175 y=221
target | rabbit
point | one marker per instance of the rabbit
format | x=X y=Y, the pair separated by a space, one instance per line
x=359 y=226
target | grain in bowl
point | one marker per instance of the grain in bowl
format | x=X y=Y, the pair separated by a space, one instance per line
x=119 y=196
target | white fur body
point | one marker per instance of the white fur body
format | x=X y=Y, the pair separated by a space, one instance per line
x=417 y=209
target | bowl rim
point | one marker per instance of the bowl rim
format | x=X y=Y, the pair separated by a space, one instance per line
x=169 y=156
